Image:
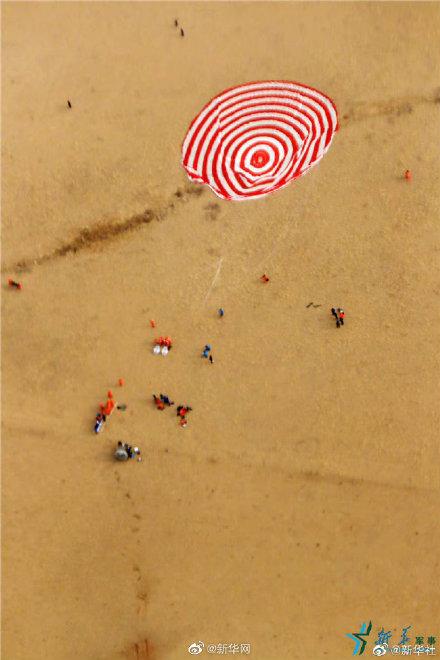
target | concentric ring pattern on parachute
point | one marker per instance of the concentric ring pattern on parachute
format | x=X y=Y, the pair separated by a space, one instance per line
x=254 y=139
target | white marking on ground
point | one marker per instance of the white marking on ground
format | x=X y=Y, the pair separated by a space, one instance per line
x=214 y=279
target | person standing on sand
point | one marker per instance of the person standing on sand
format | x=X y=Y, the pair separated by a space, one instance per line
x=183 y=410
x=206 y=351
x=160 y=405
x=337 y=315
x=99 y=422
x=109 y=407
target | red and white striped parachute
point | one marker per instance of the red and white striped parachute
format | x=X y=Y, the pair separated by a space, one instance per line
x=254 y=139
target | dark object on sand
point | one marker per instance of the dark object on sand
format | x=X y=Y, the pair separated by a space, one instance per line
x=121 y=453
x=176 y=22
x=210 y=359
x=124 y=452
x=334 y=313
x=165 y=398
x=69 y=105
x=182 y=33
x=14 y=284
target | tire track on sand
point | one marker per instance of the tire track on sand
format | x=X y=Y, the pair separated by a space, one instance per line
x=103 y=233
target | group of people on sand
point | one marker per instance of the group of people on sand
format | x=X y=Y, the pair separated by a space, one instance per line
x=339 y=315
x=163 y=345
x=182 y=412
x=104 y=412
x=164 y=400
x=123 y=451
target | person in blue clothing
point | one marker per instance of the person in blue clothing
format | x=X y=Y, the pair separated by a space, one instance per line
x=99 y=422
x=206 y=351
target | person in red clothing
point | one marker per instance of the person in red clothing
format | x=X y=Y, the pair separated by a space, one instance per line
x=108 y=409
x=159 y=403
x=13 y=283
x=164 y=341
x=341 y=316
x=183 y=410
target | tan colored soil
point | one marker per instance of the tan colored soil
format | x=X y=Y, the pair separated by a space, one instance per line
x=303 y=497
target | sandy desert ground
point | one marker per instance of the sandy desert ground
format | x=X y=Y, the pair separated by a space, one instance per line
x=303 y=497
